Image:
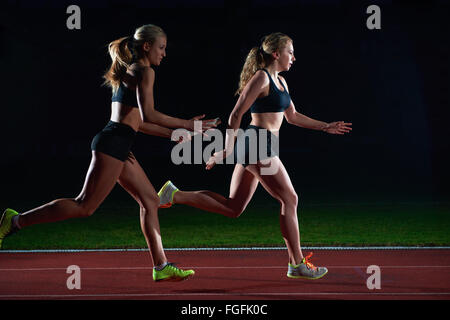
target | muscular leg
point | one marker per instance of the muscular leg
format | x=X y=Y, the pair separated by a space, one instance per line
x=134 y=180
x=100 y=180
x=242 y=187
x=279 y=185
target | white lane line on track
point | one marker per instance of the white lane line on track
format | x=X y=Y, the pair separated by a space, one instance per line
x=226 y=249
x=233 y=267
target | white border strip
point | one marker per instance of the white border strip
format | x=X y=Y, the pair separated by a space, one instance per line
x=201 y=294
x=227 y=249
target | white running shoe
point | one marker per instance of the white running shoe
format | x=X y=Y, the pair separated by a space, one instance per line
x=306 y=270
x=166 y=195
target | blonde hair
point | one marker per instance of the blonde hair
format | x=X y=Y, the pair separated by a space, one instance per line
x=126 y=50
x=261 y=57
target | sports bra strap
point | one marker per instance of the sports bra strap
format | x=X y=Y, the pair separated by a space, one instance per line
x=276 y=101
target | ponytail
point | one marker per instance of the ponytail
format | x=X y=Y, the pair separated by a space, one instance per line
x=260 y=57
x=126 y=50
x=121 y=55
x=255 y=60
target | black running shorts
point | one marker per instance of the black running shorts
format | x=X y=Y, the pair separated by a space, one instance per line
x=114 y=140
x=256 y=144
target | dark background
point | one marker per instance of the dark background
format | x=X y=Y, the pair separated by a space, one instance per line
x=392 y=84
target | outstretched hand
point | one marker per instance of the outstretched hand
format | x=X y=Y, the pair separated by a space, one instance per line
x=216 y=157
x=184 y=136
x=205 y=124
x=195 y=128
x=338 y=127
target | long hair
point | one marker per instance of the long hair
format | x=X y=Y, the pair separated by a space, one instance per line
x=126 y=50
x=260 y=57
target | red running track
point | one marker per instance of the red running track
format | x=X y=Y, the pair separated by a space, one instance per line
x=227 y=275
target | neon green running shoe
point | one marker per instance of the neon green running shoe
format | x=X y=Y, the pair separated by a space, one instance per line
x=6 y=227
x=166 y=194
x=172 y=273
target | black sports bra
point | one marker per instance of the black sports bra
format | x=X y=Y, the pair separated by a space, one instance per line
x=126 y=96
x=276 y=101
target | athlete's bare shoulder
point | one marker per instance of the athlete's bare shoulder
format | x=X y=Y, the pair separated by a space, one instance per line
x=141 y=71
x=261 y=77
x=137 y=72
x=259 y=84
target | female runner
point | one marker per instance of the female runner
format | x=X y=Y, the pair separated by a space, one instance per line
x=265 y=93
x=131 y=78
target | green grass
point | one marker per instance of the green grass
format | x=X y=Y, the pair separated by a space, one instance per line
x=116 y=225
